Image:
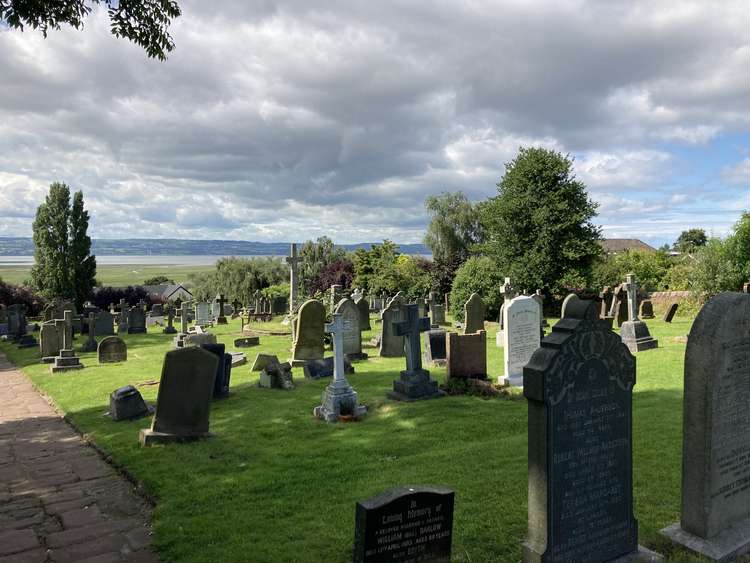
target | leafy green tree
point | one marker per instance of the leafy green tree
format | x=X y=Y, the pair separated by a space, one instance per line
x=145 y=22
x=716 y=270
x=159 y=280
x=690 y=240
x=238 y=278
x=64 y=266
x=413 y=274
x=538 y=227
x=477 y=275
x=650 y=269
x=375 y=269
x=740 y=246
x=454 y=227
x=316 y=257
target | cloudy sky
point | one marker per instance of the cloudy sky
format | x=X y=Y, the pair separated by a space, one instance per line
x=277 y=121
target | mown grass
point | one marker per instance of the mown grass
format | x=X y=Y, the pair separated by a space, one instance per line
x=116 y=275
x=275 y=484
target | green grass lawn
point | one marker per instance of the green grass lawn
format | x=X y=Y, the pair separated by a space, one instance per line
x=116 y=275
x=275 y=484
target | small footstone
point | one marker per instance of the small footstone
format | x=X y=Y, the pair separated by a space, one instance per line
x=247 y=342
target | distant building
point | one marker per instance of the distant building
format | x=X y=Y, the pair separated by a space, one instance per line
x=166 y=293
x=619 y=245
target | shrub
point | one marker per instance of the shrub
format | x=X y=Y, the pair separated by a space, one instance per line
x=478 y=274
x=104 y=296
x=18 y=294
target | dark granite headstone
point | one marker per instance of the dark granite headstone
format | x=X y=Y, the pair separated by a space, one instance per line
x=112 y=350
x=126 y=403
x=579 y=387
x=184 y=399
x=407 y=524
x=435 y=346
x=136 y=320
x=670 y=312
x=223 y=369
x=247 y=342
x=716 y=432
x=647 y=309
x=315 y=369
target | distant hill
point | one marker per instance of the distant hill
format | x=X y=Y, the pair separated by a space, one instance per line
x=18 y=246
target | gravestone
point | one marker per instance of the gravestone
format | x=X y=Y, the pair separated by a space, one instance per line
x=509 y=292
x=293 y=260
x=308 y=334
x=246 y=341
x=198 y=339
x=339 y=399
x=435 y=347
x=126 y=403
x=112 y=349
x=407 y=524
x=568 y=298
x=543 y=324
x=122 y=322
x=351 y=335
x=67 y=359
x=605 y=297
x=277 y=376
x=105 y=323
x=179 y=340
x=90 y=345
x=521 y=337
x=223 y=369
x=136 y=320
x=467 y=355
x=619 y=310
x=203 y=314
x=221 y=319
x=51 y=340
x=715 y=519
x=579 y=387
x=157 y=310
x=634 y=332
x=262 y=361
x=316 y=369
x=170 y=329
x=646 y=310
x=474 y=312
x=335 y=295
x=391 y=344
x=415 y=382
x=184 y=399
x=56 y=309
x=670 y=312
x=437 y=315
x=364 y=314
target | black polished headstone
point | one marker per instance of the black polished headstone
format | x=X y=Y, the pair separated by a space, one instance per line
x=223 y=369
x=670 y=312
x=405 y=524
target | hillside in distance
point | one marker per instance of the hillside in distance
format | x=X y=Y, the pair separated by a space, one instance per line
x=21 y=246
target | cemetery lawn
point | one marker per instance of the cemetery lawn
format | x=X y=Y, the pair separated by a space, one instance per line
x=117 y=275
x=275 y=484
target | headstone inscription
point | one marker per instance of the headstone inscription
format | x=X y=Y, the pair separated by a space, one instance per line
x=521 y=337
x=352 y=336
x=715 y=519
x=136 y=320
x=308 y=334
x=112 y=349
x=67 y=360
x=391 y=344
x=634 y=332
x=184 y=398
x=223 y=369
x=90 y=344
x=670 y=312
x=405 y=524
x=467 y=355
x=415 y=382
x=339 y=399
x=579 y=388
x=474 y=312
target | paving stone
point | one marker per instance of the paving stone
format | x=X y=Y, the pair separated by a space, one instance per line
x=38 y=555
x=17 y=541
x=73 y=553
x=81 y=517
x=112 y=557
x=139 y=538
x=78 y=535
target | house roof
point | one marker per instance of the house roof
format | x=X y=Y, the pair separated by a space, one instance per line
x=164 y=291
x=615 y=245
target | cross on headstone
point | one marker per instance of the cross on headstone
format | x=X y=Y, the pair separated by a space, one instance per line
x=508 y=289
x=293 y=260
x=411 y=328
x=336 y=328
x=631 y=286
x=221 y=300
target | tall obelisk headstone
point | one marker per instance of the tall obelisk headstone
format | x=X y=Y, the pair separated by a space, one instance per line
x=293 y=260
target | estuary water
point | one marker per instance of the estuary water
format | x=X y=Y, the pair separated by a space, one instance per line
x=144 y=260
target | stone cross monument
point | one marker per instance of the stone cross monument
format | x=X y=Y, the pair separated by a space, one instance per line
x=634 y=332
x=631 y=286
x=339 y=399
x=221 y=319
x=293 y=260
x=90 y=344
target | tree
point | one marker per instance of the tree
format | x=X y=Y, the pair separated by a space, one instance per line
x=454 y=226
x=375 y=269
x=650 y=269
x=145 y=22
x=340 y=272
x=238 y=278
x=159 y=280
x=477 y=275
x=690 y=240
x=538 y=227
x=64 y=266
x=316 y=257
x=715 y=269
x=740 y=245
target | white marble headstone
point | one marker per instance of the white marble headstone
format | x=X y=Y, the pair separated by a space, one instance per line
x=521 y=337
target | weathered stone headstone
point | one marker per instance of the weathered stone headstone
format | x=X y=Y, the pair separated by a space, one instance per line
x=221 y=319
x=170 y=329
x=112 y=349
x=467 y=355
x=415 y=382
x=262 y=361
x=568 y=298
x=543 y=324
x=335 y=295
x=521 y=337
x=179 y=340
x=474 y=312
x=605 y=297
x=619 y=310
x=364 y=314
x=122 y=322
x=67 y=360
x=435 y=347
x=105 y=323
x=634 y=332
x=184 y=399
x=579 y=387
x=223 y=369
x=715 y=518
x=293 y=260
x=407 y=524
x=308 y=335
x=203 y=314
x=339 y=398
x=316 y=369
x=126 y=403
x=391 y=344
x=90 y=344
x=670 y=312
x=246 y=341
x=198 y=339
x=351 y=335
x=646 y=309
x=277 y=376
x=51 y=340
x=136 y=320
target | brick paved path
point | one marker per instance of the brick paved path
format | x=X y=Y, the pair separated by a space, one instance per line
x=59 y=501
